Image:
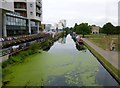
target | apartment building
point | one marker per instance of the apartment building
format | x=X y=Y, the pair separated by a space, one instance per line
x=119 y=13
x=5 y=7
x=20 y=17
x=32 y=9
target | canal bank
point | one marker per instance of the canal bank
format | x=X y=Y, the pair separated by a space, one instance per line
x=102 y=57
x=62 y=65
x=46 y=41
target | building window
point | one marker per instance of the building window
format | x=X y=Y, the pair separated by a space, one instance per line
x=31 y=13
x=31 y=5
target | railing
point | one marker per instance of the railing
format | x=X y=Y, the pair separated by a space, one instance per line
x=39 y=4
x=10 y=50
x=10 y=41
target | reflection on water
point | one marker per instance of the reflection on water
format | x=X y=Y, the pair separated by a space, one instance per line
x=87 y=71
x=62 y=40
x=80 y=47
x=62 y=65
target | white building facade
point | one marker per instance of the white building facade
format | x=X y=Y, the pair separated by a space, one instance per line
x=20 y=17
x=119 y=13
x=5 y=6
x=32 y=9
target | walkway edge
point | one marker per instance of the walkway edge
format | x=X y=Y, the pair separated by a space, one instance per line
x=108 y=66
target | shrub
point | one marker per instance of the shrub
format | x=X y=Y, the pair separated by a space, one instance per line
x=34 y=47
x=20 y=57
x=4 y=64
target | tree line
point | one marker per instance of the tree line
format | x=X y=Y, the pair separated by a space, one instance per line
x=109 y=28
x=85 y=28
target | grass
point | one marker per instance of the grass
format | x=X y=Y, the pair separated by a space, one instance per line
x=108 y=65
x=104 y=41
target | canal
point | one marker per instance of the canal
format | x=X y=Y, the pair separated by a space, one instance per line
x=62 y=65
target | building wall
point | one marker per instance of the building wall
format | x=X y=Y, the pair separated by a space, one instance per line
x=31 y=10
x=34 y=13
x=1 y=23
x=95 y=29
x=7 y=5
x=119 y=13
x=13 y=28
x=48 y=27
x=43 y=26
x=0 y=4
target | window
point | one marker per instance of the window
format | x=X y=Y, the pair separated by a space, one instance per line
x=31 y=13
x=31 y=5
x=12 y=21
x=9 y=20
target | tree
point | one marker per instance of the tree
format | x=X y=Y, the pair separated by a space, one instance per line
x=75 y=27
x=108 y=28
x=83 y=29
x=117 y=30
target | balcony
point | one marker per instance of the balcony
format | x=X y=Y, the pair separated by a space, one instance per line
x=20 y=9
x=20 y=1
x=20 y=6
x=39 y=4
x=39 y=11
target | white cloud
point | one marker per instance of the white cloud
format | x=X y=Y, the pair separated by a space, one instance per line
x=77 y=11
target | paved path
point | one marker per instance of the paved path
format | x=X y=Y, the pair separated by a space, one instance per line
x=110 y=56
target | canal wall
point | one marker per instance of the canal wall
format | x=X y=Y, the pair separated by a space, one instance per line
x=6 y=53
x=108 y=66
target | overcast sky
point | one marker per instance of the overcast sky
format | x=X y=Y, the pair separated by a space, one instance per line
x=77 y=11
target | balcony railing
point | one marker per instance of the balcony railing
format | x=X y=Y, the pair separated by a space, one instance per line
x=20 y=1
x=39 y=11
x=21 y=9
x=39 y=4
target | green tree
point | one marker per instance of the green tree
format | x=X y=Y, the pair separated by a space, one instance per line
x=108 y=28
x=75 y=27
x=83 y=29
x=117 y=30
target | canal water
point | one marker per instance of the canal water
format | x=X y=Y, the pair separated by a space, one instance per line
x=62 y=65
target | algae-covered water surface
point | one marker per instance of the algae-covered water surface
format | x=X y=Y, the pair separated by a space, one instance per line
x=62 y=65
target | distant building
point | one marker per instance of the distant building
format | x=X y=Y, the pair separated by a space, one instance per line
x=55 y=26
x=48 y=27
x=43 y=26
x=119 y=13
x=60 y=26
x=95 y=29
x=63 y=23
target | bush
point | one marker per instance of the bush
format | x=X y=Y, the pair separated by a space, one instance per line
x=34 y=47
x=20 y=57
x=4 y=64
x=30 y=52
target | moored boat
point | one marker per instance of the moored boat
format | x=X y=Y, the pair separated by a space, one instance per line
x=79 y=40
